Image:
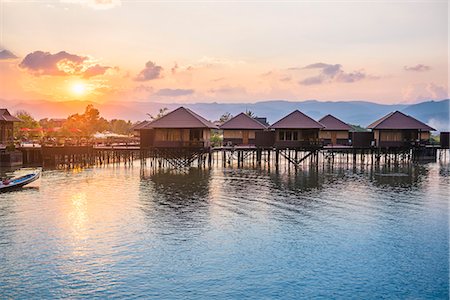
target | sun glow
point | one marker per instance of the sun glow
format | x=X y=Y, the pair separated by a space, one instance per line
x=78 y=89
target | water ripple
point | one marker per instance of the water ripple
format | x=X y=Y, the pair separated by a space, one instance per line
x=325 y=232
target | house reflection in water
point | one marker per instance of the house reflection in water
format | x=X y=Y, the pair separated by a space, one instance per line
x=176 y=197
x=406 y=175
x=305 y=179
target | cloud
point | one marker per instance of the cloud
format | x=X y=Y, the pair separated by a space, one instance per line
x=208 y=61
x=61 y=64
x=352 y=77
x=424 y=91
x=45 y=63
x=417 y=68
x=174 y=69
x=267 y=74
x=95 y=70
x=174 y=92
x=228 y=90
x=286 y=78
x=333 y=73
x=321 y=66
x=150 y=72
x=96 y=4
x=312 y=80
x=6 y=55
x=437 y=92
x=439 y=125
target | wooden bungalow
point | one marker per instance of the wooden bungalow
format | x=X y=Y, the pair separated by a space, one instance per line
x=181 y=128
x=335 y=131
x=241 y=130
x=296 y=130
x=399 y=130
x=7 y=126
x=135 y=129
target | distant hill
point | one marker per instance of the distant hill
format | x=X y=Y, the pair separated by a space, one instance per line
x=435 y=113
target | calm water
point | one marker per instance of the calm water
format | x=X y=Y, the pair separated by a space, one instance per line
x=339 y=232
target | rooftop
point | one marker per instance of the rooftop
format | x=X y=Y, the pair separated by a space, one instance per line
x=243 y=121
x=296 y=120
x=399 y=120
x=7 y=117
x=332 y=123
x=180 y=118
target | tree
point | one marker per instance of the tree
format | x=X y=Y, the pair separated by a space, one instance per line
x=358 y=128
x=86 y=124
x=225 y=117
x=161 y=113
x=250 y=113
x=120 y=126
x=27 y=122
x=216 y=139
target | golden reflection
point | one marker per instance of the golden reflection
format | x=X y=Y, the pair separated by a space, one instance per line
x=78 y=216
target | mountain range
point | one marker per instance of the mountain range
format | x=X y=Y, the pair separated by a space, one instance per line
x=434 y=113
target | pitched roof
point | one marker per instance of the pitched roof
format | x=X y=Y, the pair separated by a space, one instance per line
x=6 y=116
x=296 y=120
x=139 y=125
x=332 y=123
x=398 y=120
x=180 y=118
x=242 y=121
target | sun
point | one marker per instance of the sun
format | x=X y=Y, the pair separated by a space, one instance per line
x=78 y=89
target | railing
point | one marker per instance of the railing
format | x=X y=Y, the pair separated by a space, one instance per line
x=181 y=144
x=298 y=144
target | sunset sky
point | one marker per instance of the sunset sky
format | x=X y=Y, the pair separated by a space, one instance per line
x=226 y=51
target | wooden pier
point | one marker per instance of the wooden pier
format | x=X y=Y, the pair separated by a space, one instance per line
x=239 y=156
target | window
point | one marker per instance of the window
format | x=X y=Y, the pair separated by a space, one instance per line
x=288 y=135
x=195 y=134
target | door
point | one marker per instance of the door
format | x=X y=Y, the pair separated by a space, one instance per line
x=245 y=137
x=333 y=138
x=195 y=136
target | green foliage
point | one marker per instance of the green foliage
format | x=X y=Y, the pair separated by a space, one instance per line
x=435 y=139
x=358 y=128
x=161 y=113
x=10 y=148
x=48 y=123
x=86 y=124
x=216 y=139
x=225 y=117
x=27 y=122
x=250 y=113
x=120 y=126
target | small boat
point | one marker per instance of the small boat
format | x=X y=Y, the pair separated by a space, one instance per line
x=15 y=183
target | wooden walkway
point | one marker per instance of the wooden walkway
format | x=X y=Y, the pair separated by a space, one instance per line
x=72 y=156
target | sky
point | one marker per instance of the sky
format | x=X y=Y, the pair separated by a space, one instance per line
x=223 y=51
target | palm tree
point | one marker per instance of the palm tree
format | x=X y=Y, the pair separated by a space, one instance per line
x=161 y=113
x=225 y=117
x=250 y=113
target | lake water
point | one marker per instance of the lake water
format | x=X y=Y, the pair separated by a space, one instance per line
x=228 y=233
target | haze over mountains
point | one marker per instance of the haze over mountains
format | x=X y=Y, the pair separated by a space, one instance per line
x=434 y=113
